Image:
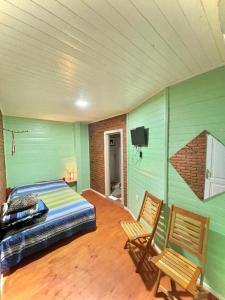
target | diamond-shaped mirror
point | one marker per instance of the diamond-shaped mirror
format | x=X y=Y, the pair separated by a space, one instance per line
x=201 y=163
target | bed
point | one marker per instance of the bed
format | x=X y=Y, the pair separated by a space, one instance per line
x=69 y=213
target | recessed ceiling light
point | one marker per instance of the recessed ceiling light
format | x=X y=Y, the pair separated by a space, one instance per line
x=82 y=103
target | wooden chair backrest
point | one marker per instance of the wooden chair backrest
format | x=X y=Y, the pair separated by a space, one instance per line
x=189 y=231
x=150 y=210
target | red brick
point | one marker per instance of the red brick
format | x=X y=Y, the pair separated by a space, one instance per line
x=96 y=142
x=188 y=162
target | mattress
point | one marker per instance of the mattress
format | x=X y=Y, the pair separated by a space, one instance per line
x=69 y=213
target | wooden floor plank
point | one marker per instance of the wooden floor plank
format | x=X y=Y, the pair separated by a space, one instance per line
x=93 y=266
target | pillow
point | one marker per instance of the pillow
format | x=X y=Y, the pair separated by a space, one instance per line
x=4 y=208
x=22 y=203
x=10 y=220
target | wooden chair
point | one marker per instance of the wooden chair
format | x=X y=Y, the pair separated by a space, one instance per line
x=189 y=232
x=136 y=232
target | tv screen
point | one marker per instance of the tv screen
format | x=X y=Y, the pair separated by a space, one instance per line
x=139 y=136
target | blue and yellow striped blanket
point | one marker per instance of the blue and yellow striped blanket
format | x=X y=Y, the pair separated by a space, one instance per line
x=69 y=213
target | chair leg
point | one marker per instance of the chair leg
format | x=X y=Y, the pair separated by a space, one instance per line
x=126 y=244
x=157 y=283
x=201 y=294
x=146 y=250
x=141 y=261
x=173 y=285
x=197 y=296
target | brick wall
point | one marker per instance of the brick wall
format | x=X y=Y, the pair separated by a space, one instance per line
x=96 y=141
x=2 y=164
x=190 y=162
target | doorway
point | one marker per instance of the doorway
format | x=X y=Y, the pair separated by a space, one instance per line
x=113 y=150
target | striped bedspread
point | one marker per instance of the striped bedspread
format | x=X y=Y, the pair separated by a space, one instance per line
x=69 y=213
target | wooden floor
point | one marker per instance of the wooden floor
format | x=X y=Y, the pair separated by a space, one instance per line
x=93 y=266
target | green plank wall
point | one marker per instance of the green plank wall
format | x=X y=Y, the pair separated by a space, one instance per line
x=193 y=105
x=148 y=173
x=196 y=105
x=81 y=145
x=46 y=152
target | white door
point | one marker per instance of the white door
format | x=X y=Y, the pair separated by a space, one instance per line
x=215 y=167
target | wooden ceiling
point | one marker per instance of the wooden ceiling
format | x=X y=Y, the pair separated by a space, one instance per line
x=113 y=53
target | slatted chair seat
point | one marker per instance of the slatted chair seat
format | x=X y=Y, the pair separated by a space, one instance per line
x=188 y=231
x=134 y=230
x=137 y=234
x=178 y=268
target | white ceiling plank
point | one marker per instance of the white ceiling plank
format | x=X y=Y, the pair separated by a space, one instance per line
x=49 y=77
x=150 y=10
x=54 y=56
x=116 y=54
x=19 y=76
x=115 y=19
x=195 y=14
x=211 y=11
x=46 y=38
x=145 y=37
x=84 y=26
x=127 y=75
x=32 y=58
x=102 y=23
x=88 y=40
x=43 y=57
x=177 y=20
x=34 y=75
x=162 y=50
x=56 y=28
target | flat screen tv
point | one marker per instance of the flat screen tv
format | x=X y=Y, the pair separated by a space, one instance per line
x=139 y=136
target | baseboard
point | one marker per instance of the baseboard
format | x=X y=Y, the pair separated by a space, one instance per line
x=88 y=189
x=211 y=291
x=100 y=194
x=127 y=209
x=158 y=250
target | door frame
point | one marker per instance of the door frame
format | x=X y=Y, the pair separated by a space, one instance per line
x=106 y=161
x=210 y=177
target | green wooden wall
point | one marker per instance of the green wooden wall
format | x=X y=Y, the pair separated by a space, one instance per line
x=149 y=173
x=46 y=152
x=196 y=105
x=81 y=145
x=193 y=106
x=146 y=173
